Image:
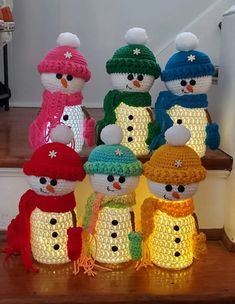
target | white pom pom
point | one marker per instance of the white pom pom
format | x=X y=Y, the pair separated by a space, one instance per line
x=62 y=134
x=177 y=135
x=136 y=35
x=68 y=39
x=111 y=135
x=186 y=41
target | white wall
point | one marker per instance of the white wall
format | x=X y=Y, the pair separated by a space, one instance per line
x=101 y=26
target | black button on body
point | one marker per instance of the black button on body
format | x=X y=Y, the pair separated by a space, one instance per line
x=179 y=121
x=176 y=228
x=65 y=117
x=56 y=246
x=129 y=139
x=114 y=222
x=177 y=240
x=130 y=117
x=114 y=235
x=130 y=128
x=53 y=221
x=54 y=234
x=114 y=248
x=177 y=254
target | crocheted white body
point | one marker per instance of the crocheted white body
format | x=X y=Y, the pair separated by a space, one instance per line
x=134 y=123
x=196 y=121
x=73 y=117
x=49 y=236
x=112 y=228
x=171 y=241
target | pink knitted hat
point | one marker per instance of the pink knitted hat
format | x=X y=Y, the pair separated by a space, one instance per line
x=66 y=58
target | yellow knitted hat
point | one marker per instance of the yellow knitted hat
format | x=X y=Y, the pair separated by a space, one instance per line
x=174 y=162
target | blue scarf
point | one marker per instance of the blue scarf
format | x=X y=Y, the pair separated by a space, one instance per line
x=167 y=100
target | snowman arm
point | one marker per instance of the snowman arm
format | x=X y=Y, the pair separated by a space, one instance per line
x=212 y=136
x=88 y=128
x=74 y=242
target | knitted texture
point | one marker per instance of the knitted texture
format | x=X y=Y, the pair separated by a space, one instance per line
x=135 y=239
x=187 y=64
x=112 y=229
x=113 y=159
x=55 y=160
x=179 y=165
x=46 y=248
x=65 y=60
x=171 y=248
x=131 y=111
x=134 y=58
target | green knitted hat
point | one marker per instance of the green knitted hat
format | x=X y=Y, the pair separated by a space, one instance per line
x=134 y=57
x=113 y=158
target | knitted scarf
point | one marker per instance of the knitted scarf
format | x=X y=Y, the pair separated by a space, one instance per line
x=18 y=233
x=167 y=100
x=112 y=101
x=51 y=111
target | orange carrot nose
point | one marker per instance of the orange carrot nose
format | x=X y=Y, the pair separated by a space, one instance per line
x=175 y=195
x=116 y=185
x=50 y=188
x=136 y=83
x=64 y=82
x=189 y=88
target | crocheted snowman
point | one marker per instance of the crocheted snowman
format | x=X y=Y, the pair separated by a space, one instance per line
x=133 y=69
x=169 y=224
x=188 y=77
x=46 y=226
x=114 y=174
x=64 y=72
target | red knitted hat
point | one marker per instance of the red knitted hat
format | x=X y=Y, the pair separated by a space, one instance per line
x=66 y=58
x=57 y=161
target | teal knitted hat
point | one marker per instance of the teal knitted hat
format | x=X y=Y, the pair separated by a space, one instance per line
x=113 y=158
x=135 y=57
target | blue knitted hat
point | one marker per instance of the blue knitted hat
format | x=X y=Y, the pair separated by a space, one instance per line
x=113 y=158
x=187 y=63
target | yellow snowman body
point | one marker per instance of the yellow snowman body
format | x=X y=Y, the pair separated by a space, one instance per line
x=134 y=124
x=171 y=242
x=195 y=120
x=112 y=229
x=49 y=236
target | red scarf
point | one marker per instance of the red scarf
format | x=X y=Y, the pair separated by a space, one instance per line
x=18 y=233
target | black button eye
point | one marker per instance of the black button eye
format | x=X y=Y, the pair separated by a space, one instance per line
x=53 y=182
x=168 y=188
x=121 y=179
x=130 y=77
x=140 y=77
x=69 y=77
x=65 y=117
x=43 y=180
x=110 y=178
x=179 y=121
x=192 y=82
x=181 y=188
x=183 y=83
x=59 y=76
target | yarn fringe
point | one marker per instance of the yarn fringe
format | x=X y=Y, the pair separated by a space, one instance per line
x=199 y=245
x=146 y=257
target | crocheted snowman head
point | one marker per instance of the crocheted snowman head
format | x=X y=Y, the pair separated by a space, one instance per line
x=174 y=170
x=55 y=169
x=64 y=69
x=113 y=168
x=133 y=68
x=188 y=71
